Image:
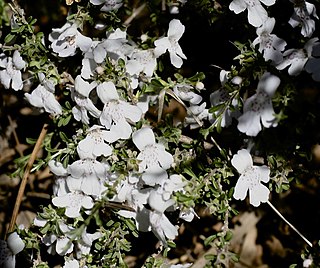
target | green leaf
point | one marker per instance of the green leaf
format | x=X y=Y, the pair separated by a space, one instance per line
x=9 y=38
x=228 y=236
x=209 y=240
x=210 y=257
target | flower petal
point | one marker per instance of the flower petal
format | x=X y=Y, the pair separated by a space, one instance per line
x=249 y=123
x=258 y=194
x=242 y=161
x=143 y=137
x=264 y=173
x=15 y=243
x=107 y=92
x=241 y=188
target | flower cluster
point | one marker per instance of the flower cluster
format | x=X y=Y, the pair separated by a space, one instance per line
x=101 y=89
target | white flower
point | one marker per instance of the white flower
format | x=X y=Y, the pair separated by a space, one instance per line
x=48 y=83
x=297 y=58
x=269 y=44
x=142 y=61
x=173 y=184
x=11 y=75
x=188 y=214
x=93 y=144
x=86 y=176
x=170 y=43
x=10 y=248
x=116 y=113
x=313 y=64
x=71 y=264
x=259 y=107
x=67 y=39
x=195 y=115
x=301 y=16
x=307 y=262
x=162 y=227
x=59 y=244
x=57 y=168
x=184 y=92
x=7 y=259
x=117 y=45
x=131 y=192
x=15 y=243
x=108 y=5
x=83 y=244
x=153 y=156
x=89 y=65
x=250 y=179
x=61 y=173
x=39 y=222
x=256 y=13
x=73 y=202
x=40 y=97
x=80 y=94
x=157 y=202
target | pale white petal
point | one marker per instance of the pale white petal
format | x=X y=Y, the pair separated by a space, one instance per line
x=268 y=116
x=97 y=2
x=237 y=6
x=268 y=83
x=17 y=60
x=157 y=203
x=107 y=92
x=268 y=2
x=176 y=61
x=264 y=172
x=83 y=87
x=242 y=160
x=143 y=137
x=297 y=66
x=99 y=54
x=5 y=79
x=17 y=83
x=249 y=123
x=91 y=185
x=15 y=243
x=71 y=264
x=120 y=130
x=39 y=222
x=83 y=42
x=131 y=112
x=154 y=175
x=77 y=168
x=64 y=246
x=176 y=29
x=161 y=46
x=257 y=15
x=258 y=194
x=241 y=188
x=165 y=159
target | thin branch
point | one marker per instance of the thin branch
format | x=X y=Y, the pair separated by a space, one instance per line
x=25 y=178
x=134 y=14
x=287 y=222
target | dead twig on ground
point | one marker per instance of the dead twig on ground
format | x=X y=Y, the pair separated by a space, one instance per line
x=25 y=178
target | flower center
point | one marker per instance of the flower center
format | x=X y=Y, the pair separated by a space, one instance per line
x=96 y=135
x=259 y=102
x=252 y=177
x=114 y=110
x=10 y=67
x=150 y=155
x=71 y=40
